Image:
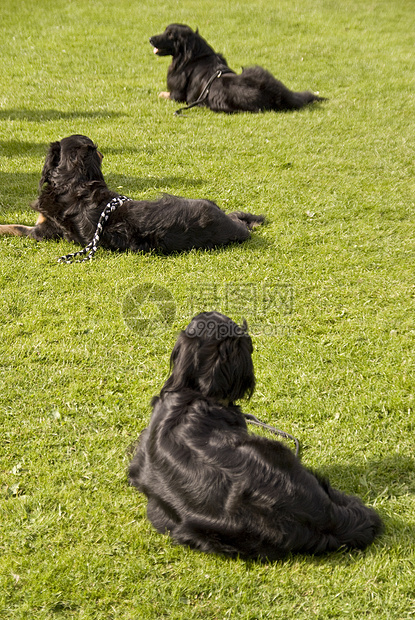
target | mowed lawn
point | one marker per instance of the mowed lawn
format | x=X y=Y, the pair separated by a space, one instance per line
x=327 y=286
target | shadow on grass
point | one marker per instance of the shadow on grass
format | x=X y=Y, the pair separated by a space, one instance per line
x=37 y=116
x=393 y=476
x=17 y=191
x=16 y=148
x=20 y=148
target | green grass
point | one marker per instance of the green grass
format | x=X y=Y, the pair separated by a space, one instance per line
x=334 y=363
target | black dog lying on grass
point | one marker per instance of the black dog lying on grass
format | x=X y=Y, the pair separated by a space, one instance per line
x=216 y=488
x=73 y=194
x=198 y=74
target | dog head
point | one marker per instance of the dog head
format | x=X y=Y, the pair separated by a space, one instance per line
x=75 y=159
x=213 y=356
x=179 y=40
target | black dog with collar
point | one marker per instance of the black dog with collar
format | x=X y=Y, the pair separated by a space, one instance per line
x=73 y=195
x=213 y=486
x=194 y=64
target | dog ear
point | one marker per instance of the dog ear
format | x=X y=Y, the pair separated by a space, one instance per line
x=183 y=360
x=233 y=374
x=93 y=161
x=182 y=364
x=86 y=161
x=227 y=349
x=51 y=163
x=230 y=346
x=79 y=154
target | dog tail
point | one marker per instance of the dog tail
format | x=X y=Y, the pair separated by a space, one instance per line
x=352 y=524
x=295 y=101
x=357 y=525
x=250 y=220
x=273 y=94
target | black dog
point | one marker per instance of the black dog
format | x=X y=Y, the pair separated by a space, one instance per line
x=198 y=73
x=73 y=194
x=216 y=488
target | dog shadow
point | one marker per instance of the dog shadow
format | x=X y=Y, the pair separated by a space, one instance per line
x=393 y=476
x=36 y=116
x=17 y=191
x=380 y=482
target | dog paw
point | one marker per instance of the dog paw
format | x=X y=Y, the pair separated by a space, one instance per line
x=164 y=95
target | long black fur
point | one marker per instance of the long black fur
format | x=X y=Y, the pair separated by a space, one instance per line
x=195 y=62
x=73 y=193
x=215 y=487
